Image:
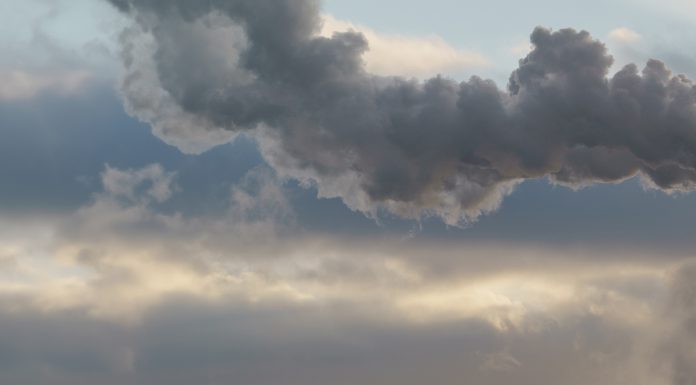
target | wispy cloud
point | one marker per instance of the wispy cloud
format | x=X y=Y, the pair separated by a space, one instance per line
x=18 y=85
x=624 y=35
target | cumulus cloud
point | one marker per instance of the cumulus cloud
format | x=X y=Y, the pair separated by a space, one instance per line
x=411 y=148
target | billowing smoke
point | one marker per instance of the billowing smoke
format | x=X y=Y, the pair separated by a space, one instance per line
x=199 y=71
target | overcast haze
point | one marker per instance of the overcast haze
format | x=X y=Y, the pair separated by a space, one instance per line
x=301 y=192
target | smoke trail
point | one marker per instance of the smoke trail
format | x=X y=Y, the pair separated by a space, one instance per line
x=199 y=71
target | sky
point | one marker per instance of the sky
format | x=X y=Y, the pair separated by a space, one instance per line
x=299 y=192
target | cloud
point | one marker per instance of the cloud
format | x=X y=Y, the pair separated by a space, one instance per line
x=21 y=85
x=521 y=49
x=123 y=246
x=125 y=291
x=131 y=288
x=624 y=35
x=126 y=247
x=411 y=148
x=123 y=184
x=680 y=327
x=40 y=54
x=502 y=361
x=393 y=55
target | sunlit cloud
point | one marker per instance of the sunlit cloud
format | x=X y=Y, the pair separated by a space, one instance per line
x=409 y=56
x=624 y=35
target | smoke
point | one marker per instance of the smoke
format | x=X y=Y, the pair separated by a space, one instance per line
x=199 y=71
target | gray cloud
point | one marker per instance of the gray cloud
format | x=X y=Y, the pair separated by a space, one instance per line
x=681 y=323
x=183 y=342
x=410 y=148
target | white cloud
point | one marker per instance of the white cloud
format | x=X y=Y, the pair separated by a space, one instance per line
x=624 y=35
x=409 y=56
x=521 y=49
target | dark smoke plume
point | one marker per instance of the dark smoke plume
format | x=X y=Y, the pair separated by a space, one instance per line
x=199 y=71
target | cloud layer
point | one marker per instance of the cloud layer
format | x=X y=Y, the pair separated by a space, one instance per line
x=121 y=293
x=124 y=261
